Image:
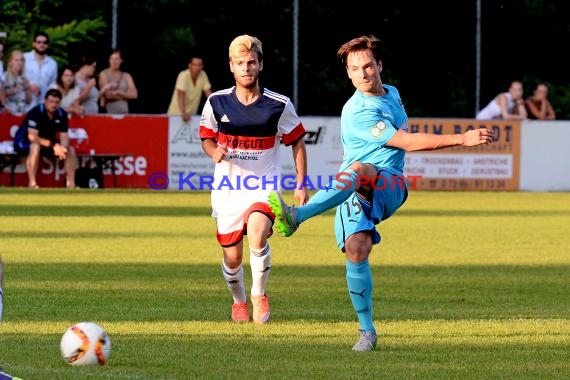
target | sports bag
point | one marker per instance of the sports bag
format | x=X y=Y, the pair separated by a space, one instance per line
x=21 y=140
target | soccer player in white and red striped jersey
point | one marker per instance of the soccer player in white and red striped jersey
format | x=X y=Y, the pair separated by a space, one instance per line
x=241 y=128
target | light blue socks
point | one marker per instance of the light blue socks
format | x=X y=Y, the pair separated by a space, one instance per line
x=359 y=281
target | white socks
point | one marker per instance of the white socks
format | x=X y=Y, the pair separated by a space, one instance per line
x=259 y=260
x=234 y=280
x=260 y=266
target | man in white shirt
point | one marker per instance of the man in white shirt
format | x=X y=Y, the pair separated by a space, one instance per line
x=40 y=69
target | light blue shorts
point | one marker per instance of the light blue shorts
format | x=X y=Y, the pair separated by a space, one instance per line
x=357 y=214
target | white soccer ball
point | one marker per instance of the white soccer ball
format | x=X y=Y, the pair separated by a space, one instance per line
x=85 y=343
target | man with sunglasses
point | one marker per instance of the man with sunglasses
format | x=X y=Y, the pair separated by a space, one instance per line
x=39 y=68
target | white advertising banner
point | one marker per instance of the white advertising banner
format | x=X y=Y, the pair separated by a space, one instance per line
x=186 y=159
x=187 y=162
x=449 y=165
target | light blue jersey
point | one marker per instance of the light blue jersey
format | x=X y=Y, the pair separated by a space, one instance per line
x=367 y=123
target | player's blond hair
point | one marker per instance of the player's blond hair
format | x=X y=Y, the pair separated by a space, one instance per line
x=247 y=43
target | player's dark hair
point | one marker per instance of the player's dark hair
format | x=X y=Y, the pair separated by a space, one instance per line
x=361 y=43
x=194 y=54
x=41 y=34
x=53 y=92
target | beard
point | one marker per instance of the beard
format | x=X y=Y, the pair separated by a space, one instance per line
x=40 y=52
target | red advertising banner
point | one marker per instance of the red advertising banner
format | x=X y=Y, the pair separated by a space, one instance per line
x=139 y=144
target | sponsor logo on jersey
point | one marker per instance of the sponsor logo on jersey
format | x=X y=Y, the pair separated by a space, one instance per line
x=377 y=130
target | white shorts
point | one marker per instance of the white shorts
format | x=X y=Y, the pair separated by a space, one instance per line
x=231 y=228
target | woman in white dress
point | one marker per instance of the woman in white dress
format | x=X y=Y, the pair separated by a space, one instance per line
x=507 y=105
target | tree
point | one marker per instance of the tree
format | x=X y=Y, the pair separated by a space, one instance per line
x=21 y=19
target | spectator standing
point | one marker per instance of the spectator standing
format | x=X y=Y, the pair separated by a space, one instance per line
x=538 y=106
x=16 y=87
x=69 y=90
x=40 y=68
x=190 y=85
x=117 y=87
x=38 y=136
x=85 y=79
x=241 y=128
x=506 y=105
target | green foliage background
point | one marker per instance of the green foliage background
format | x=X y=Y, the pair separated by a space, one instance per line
x=430 y=54
x=21 y=19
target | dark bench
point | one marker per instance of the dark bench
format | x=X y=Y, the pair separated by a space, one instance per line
x=103 y=161
x=10 y=160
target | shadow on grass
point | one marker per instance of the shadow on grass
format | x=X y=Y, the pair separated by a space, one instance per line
x=187 y=209
x=151 y=292
x=173 y=356
x=30 y=235
x=106 y=211
x=488 y=213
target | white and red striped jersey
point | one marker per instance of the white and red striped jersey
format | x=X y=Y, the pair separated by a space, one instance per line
x=252 y=134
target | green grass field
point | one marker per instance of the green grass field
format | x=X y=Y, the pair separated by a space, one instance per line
x=467 y=286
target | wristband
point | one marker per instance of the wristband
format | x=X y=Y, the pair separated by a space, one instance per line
x=51 y=144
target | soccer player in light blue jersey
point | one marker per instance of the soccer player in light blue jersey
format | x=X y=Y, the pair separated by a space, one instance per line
x=370 y=186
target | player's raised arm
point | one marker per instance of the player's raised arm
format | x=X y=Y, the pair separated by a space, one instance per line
x=411 y=142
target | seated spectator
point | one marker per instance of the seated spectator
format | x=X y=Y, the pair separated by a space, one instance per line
x=85 y=79
x=65 y=83
x=506 y=105
x=191 y=83
x=537 y=105
x=117 y=87
x=38 y=136
x=17 y=89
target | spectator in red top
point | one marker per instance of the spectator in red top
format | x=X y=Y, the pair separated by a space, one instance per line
x=537 y=105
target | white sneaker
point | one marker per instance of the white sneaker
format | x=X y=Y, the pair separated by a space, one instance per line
x=367 y=341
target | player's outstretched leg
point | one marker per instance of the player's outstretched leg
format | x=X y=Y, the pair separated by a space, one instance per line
x=285 y=214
